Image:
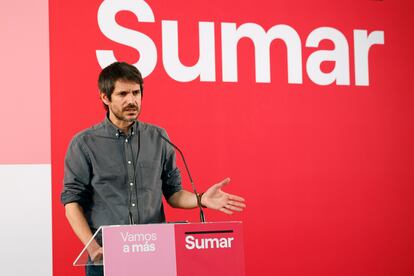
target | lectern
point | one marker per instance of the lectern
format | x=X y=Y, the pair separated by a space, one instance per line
x=182 y=249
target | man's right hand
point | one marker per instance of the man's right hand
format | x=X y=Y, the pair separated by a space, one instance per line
x=96 y=254
x=77 y=220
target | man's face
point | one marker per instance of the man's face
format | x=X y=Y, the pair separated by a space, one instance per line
x=125 y=104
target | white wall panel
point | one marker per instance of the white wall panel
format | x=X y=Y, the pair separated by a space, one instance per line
x=26 y=222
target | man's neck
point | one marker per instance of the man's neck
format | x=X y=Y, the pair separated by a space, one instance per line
x=124 y=126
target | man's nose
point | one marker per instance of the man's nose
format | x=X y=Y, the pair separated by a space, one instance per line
x=130 y=98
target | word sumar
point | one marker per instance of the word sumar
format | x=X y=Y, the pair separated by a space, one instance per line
x=192 y=242
x=231 y=34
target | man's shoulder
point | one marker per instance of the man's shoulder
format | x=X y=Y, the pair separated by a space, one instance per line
x=152 y=131
x=94 y=130
x=150 y=127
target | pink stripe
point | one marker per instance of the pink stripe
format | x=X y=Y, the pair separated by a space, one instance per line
x=25 y=93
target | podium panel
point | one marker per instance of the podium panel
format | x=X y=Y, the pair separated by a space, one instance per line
x=206 y=249
x=199 y=249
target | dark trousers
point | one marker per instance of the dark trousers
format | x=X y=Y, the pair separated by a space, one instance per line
x=94 y=270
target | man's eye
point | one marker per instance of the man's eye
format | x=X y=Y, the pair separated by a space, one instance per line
x=136 y=92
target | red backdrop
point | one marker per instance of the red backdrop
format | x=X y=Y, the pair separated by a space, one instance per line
x=326 y=171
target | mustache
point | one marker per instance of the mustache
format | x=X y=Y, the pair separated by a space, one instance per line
x=130 y=106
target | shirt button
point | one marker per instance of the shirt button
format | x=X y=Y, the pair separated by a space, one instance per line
x=132 y=184
x=129 y=162
x=133 y=204
x=126 y=140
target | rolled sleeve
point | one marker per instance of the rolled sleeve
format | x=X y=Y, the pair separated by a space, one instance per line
x=171 y=183
x=171 y=177
x=77 y=176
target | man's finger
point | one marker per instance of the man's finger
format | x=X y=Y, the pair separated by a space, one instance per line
x=237 y=204
x=226 y=211
x=234 y=208
x=224 y=182
x=237 y=198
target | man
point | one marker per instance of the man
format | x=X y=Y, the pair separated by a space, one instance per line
x=117 y=171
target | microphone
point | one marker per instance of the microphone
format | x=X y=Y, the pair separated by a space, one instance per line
x=202 y=217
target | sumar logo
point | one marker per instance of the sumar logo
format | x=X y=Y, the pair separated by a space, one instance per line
x=196 y=240
x=231 y=34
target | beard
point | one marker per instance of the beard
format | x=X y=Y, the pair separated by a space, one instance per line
x=120 y=114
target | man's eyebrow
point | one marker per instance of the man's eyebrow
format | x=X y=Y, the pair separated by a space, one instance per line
x=121 y=91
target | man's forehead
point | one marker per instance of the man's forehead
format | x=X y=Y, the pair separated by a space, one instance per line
x=126 y=84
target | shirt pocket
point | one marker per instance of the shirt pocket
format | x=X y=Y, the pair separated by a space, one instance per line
x=150 y=174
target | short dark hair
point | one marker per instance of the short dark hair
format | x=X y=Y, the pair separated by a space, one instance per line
x=118 y=71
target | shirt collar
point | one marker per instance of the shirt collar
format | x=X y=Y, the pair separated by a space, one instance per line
x=113 y=131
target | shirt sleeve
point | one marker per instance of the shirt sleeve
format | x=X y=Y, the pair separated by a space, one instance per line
x=77 y=175
x=171 y=177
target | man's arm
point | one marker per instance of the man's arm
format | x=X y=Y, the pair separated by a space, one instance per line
x=75 y=192
x=214 y=198
x=77 y=220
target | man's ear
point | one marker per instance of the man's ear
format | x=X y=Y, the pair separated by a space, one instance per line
x=105 y=99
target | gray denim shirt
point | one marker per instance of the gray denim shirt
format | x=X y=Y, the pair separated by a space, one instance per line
x=117 y=177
